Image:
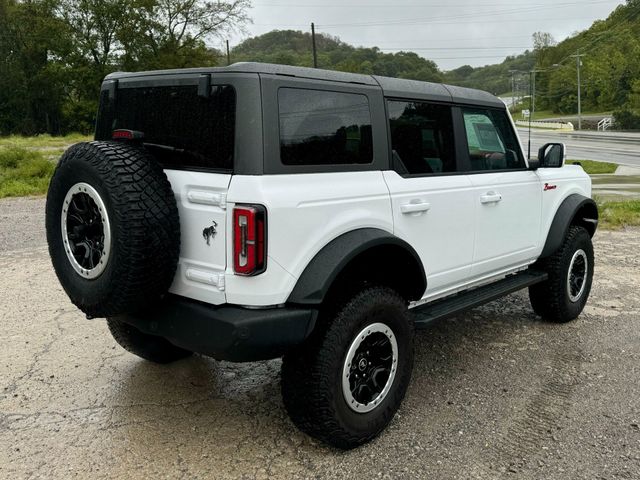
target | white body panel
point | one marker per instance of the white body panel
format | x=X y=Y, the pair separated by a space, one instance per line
x=568 y=180
x=449 y=211
x=461 y=241
x=202 y=204
x=507 y=220
x=304 y=213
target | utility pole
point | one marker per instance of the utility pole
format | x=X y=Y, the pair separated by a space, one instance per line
x=228 y=54
x=578 y=55
x=313 y=43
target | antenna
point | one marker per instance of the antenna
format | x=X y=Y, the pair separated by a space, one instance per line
x=530 y=113
x=532 y=94
x=313 y=45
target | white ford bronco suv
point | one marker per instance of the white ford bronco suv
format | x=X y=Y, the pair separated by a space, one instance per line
x=256 y=211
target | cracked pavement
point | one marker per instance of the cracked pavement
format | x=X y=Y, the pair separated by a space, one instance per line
x=496 y=393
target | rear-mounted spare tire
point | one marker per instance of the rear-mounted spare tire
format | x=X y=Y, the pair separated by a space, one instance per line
x=112 y=227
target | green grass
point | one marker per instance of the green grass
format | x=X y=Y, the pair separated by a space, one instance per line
x=27 y=163
x=42 y=141
x=24 y=172
x=619 y=214
x=595 y=168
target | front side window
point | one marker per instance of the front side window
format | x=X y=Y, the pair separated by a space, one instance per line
x=492 y=143
x=319 y=127
x=421 y=137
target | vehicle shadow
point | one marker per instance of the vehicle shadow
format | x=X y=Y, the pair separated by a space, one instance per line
x=200 y=407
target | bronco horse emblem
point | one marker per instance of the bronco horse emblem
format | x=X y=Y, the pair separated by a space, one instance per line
x=210 y=232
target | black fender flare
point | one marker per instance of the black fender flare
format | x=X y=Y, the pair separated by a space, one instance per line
x=324 y=268
x=567 y=215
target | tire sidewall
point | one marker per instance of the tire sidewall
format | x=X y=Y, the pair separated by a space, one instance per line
x=395 y=316
x=581 y=241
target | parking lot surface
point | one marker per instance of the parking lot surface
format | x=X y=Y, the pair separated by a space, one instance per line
x=496 y=393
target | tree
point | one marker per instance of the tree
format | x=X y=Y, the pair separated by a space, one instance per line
x=542 y=42
x=55 y=53
x=32 y=43
x=174 y=33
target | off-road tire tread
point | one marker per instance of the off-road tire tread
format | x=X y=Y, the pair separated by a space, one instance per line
x=307 y=372
x=149 y=241
x=549 y=299
x=150 y=347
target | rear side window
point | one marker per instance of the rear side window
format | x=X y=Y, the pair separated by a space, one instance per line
x=181 y=129
x=492 y=142
x=319 y=127
x=421 y=137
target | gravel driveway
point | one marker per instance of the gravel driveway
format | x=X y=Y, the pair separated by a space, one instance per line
x=496 y=393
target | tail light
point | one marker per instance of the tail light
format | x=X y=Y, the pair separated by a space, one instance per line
x=249 y=239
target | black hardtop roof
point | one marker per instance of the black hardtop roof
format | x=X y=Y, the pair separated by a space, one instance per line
x=391 y=87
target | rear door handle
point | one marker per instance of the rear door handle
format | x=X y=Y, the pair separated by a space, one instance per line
x=418 y=207
x=490 y=197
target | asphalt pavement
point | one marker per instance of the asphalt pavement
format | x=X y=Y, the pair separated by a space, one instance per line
x=496 y=393
x=616 y=147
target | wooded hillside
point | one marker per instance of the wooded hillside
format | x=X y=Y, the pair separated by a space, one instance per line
x=54 y=54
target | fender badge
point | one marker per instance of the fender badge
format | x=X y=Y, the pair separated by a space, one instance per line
x=549 y=187
x=209 y=233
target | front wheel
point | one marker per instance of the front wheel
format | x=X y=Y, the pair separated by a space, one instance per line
x=563 y=296
x=346 y=384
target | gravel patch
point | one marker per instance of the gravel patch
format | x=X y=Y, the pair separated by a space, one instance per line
x=496 y=393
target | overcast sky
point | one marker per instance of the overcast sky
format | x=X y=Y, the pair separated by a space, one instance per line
x=450 y=32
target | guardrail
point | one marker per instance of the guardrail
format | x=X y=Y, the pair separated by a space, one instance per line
x=605 y=124
x=566 y=126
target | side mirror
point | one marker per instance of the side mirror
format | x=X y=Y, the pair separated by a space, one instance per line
x=551 y=155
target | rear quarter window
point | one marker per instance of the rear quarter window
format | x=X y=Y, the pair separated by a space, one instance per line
x=319 y=127
x=182 y=130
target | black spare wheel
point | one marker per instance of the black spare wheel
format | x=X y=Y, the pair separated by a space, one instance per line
x=112 y=227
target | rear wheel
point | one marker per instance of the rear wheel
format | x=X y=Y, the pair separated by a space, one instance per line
x=563 y=296
x=150 y=347
x=345 y=385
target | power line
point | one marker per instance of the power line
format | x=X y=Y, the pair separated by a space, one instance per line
x=455 y=48
x=346 y=25
x=474 y=15
x=430 y=6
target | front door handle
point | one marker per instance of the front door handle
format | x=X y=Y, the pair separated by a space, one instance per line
x=490 y=197
x=415 y=208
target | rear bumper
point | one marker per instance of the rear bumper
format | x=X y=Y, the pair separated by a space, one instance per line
x=226 y=332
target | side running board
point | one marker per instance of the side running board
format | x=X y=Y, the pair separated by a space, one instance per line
x=460 y=302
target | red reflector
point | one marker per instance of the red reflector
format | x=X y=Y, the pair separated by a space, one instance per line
x=249 y=239
x=123 y=134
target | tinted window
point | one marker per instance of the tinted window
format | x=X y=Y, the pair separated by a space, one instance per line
x=492 y=142
x=181 y=129
x=320 y=127
x=422 y=137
